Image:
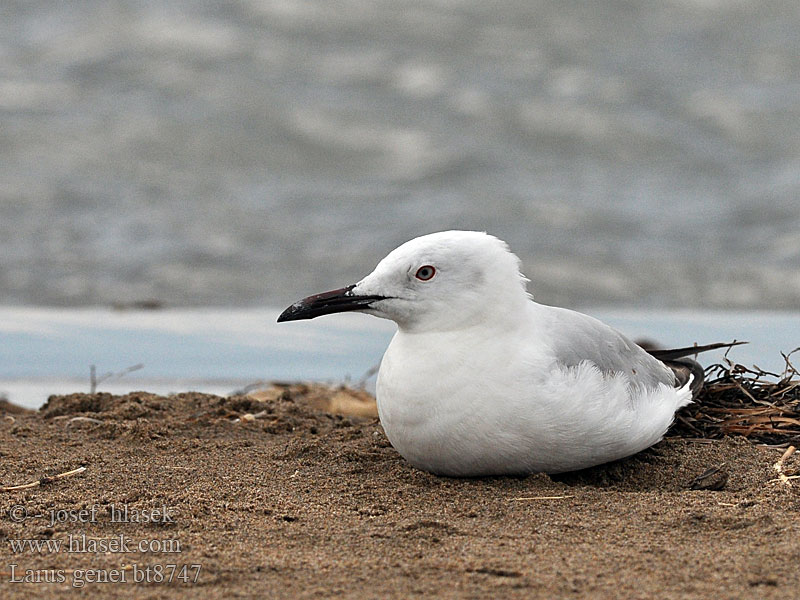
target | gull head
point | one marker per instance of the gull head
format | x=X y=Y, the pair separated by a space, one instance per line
x=438 y=282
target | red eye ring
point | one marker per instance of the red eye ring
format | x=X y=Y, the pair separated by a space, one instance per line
x=425 y=272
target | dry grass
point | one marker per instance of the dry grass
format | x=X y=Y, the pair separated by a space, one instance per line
x=737 y=400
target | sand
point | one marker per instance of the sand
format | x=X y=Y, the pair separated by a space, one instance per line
x=274 y=497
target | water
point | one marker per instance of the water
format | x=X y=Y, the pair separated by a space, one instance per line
x=247 y=153
x=639 y=156
x=49 y=350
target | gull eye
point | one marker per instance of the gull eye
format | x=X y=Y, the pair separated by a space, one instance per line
x=425 y=273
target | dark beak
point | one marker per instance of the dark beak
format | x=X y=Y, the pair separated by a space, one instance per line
x=335 y=301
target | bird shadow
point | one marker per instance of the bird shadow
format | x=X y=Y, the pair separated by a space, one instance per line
x=649 y=469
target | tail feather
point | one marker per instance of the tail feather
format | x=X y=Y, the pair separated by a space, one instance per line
x=684 y=368
x=666 y=355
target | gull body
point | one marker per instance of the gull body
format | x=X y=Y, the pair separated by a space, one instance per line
x=481 y=380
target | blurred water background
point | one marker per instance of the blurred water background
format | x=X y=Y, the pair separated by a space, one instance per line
x=223 y=159
x=249 y=152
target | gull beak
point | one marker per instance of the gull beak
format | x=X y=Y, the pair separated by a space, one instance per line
x=335 y=301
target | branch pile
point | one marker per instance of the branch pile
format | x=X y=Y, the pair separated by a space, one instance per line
x=737 y=400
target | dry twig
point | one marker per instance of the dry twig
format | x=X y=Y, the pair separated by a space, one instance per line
x=543 y=497
x=738 y=400
x=778 y=466
x=42 y=481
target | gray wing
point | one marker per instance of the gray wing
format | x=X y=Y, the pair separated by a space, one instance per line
x=576 y=338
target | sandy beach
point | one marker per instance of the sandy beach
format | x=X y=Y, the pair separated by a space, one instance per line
x=274 y=496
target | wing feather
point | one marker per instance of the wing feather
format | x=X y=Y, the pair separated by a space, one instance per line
x=580 y=338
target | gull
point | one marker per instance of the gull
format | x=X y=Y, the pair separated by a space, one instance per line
x=480 y=380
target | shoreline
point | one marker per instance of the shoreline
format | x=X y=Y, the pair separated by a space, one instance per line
x=48 y=351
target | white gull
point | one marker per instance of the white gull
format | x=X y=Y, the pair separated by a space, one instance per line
x=481 y=380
